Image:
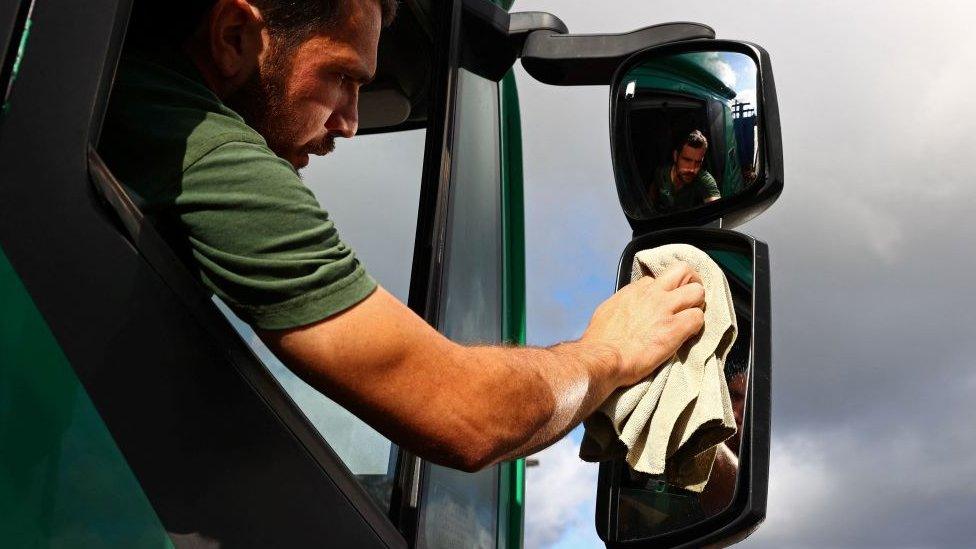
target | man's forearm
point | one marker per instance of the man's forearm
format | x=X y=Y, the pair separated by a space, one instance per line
x=467 y=407
x=555 y=389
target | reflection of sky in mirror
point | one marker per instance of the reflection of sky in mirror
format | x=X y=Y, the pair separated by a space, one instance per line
x=735 y=70
x=743 y=69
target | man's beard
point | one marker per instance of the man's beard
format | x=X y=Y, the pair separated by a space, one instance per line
x=260 y=101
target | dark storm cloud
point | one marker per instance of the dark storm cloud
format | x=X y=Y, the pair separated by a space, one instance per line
x=871 y=249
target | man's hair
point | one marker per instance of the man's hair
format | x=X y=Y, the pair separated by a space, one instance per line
x=294 y=21
x=157 y=25
x=695 y=139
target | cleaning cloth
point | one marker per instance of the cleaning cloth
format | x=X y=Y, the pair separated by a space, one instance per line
x=671 y=422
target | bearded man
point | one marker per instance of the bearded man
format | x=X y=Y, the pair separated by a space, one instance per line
x=683 y=183
x=216 y=106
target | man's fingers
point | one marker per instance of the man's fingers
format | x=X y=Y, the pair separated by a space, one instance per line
x=689 y=322
x=687 y=296
x=678 y=274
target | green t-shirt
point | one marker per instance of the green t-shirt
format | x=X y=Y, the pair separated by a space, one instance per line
x=238 y=215
x=665 y=197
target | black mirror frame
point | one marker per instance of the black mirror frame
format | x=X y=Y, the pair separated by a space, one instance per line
x=735 y=210
x=748 y=507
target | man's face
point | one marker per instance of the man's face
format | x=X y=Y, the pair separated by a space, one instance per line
x=688 y=163
x=301 y=98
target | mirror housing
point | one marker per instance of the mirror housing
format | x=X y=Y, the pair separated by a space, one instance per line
x=747 y=507
x=732 y=210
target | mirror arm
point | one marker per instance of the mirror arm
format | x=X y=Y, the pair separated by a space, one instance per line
x=525 y=23
x=494 y=38
x=591 y=59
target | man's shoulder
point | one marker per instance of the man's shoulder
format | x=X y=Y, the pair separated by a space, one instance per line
x=707 y=184
x=164 y=119
x=705 y=177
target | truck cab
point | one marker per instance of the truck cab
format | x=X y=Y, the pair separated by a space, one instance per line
x=137 y=411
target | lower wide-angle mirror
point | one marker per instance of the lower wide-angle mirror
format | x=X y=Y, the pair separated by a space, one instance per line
x=638 y=509
x=689 y=132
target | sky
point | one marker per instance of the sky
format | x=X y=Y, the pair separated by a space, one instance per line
x=871 y=256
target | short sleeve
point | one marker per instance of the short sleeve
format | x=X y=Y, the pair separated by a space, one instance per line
x=709 y=186
x=261 y=241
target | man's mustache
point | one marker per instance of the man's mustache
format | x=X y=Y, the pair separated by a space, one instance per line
x=323 y=147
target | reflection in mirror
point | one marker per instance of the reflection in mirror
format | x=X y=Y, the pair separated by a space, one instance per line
x=648 y=505
x=686 y=130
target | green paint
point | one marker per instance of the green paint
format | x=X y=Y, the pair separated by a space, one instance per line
x=737 y=263
x=512 y=479
x=21 y=47
x=63 y=481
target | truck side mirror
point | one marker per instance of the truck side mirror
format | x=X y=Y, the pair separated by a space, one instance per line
x=635 y=509
x=694 y=133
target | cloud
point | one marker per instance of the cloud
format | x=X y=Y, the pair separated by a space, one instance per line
x=559 y=496
x=720 y=68
x=890 y=486
x=801 y=488
x=870 y=251
x=746 y=96
x=456 y=524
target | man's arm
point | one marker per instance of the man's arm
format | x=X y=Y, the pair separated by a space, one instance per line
x=468 y=407
x=720 y=487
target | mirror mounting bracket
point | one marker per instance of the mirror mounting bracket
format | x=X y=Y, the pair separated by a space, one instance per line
x=590 y=59
x=494 y=39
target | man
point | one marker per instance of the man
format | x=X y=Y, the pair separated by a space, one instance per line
x=683 y=184
x=208 y=125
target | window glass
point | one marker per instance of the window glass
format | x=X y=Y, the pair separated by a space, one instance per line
x=370 y=186
x=460 y=509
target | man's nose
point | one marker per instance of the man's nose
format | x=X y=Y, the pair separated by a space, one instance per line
x=345 y=119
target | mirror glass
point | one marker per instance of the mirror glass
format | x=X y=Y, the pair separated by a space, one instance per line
x=648 y=505
x=686 y=131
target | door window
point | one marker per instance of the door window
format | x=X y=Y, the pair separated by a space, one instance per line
x=374 y=206
x=461 y=509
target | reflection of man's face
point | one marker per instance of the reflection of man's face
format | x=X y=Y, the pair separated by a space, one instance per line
x=688 y=163
x=737 y=392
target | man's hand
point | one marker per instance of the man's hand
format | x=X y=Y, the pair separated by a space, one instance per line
x=648 y=320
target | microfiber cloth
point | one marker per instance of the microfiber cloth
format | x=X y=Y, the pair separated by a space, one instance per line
x=671 y=422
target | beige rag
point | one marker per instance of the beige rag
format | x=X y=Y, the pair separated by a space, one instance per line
x=671 y=422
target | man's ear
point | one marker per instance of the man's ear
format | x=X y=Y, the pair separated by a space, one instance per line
x=236 y=39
